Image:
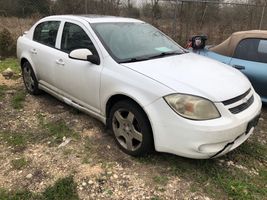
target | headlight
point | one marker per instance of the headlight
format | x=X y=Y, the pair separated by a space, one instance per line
x=192 y=107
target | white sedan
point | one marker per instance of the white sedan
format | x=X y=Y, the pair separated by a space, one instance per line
x=148 y=90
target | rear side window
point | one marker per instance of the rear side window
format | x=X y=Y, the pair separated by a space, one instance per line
x=74 y=37
x=46 y=33
x=252 y=49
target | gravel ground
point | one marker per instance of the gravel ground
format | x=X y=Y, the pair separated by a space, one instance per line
x=88 y=152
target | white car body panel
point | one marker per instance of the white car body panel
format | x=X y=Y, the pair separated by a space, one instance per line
x=192 y=135
x=185 y=76
x=117 y=79
x=88 y=87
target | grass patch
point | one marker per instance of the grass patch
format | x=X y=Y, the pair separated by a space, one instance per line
x=220 y=181
x=56 y=131
x=11 y=63
x=19 y=164
x=15 y=140
x=52 y=132
x=216 y=179
x=67 y=152
x=18 y=99
x=234 y=182
x=3 y=89
x=253 y=149
x=88 y=149
x=109 y=192
x=161 y=180
x=41 y=119
x=88 y=144
x=155 y=198
x=145 y=159
x=63 y=189
x=18 y=195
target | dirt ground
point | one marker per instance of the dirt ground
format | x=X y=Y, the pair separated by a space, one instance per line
x=99 y=168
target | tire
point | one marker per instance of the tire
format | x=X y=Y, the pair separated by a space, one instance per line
x=131 y=128
x=29 y=79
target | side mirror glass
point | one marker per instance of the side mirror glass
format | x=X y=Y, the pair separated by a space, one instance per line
x=80 y=54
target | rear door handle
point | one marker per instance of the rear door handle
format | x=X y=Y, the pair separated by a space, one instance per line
x=60 y=62
x=33 y=51
x=239 y=67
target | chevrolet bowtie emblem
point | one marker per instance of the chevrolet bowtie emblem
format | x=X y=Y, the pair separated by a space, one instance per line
x=245 y=100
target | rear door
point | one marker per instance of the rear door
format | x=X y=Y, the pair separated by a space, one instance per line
x=44 y=51
x=250 y=57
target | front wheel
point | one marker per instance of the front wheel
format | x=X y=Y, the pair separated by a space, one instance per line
x=131 y=128
x=29 y=79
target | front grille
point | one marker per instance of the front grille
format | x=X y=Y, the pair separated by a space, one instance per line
x=243 y=106
x=240 y=103
x=238 y=98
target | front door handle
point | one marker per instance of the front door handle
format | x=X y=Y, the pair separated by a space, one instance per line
x=60 y=62
x=239 y=67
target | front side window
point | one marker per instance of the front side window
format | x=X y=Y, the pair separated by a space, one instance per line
x=134 y=41
x=74 y=37
x=252 y=49
x=46 y=33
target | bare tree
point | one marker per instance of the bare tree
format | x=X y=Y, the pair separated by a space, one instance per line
x=262 y=14
x=156 y=12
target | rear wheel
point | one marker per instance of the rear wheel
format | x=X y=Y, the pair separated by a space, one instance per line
x=29 y=78
x=131 y=128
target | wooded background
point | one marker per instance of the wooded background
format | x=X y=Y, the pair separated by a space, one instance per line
x=178 y=18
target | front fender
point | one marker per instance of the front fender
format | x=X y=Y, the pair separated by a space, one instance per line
x=120 y=80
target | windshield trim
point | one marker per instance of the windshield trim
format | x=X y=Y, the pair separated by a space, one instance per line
x=137 y=59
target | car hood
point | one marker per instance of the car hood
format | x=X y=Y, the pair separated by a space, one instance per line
x=193 y=74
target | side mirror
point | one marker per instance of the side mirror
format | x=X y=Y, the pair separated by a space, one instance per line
x=94 y=59
x=86 y=55
x=80 y=54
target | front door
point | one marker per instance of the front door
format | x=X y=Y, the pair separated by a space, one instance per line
x=78 y=80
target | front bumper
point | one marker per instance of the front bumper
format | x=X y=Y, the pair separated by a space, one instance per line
x=200 y=139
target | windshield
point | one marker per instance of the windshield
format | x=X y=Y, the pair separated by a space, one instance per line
x=130 y=42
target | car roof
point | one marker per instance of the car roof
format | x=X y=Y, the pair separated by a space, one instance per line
x=94 y=18
x=227 y=48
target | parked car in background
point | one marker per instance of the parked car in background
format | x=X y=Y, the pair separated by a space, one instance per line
x=245 y=51
x=147 y=89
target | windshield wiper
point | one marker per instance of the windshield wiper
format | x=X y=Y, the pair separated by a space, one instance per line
x=134 y=60
x=163 y=54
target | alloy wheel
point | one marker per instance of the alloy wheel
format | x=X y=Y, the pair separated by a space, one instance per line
x=127 y=130
x=28 y=79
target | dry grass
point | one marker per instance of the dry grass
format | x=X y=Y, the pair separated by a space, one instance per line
x=18 y=25
x=216 y=32
x=15 y=25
